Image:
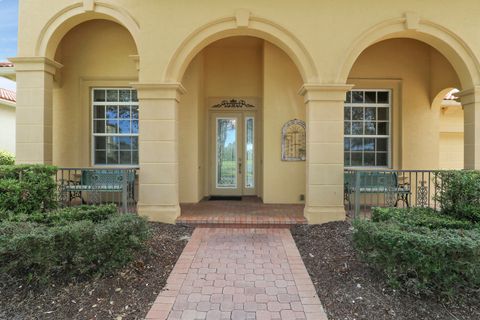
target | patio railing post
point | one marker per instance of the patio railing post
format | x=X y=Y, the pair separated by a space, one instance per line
x=357 y=195
x=124 y=191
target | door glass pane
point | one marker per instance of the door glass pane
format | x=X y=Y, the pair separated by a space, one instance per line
x=226 y=153
x=249 y=153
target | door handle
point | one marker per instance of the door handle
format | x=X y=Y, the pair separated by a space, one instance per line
x=239 y=168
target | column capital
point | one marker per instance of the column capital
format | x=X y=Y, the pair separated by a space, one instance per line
x=159 y=91
x=324 y=92
x=25 y=64
x=469 y=96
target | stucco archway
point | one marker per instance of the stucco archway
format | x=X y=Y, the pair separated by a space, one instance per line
x=71 y=16
x=237 y=26
x=411 y=26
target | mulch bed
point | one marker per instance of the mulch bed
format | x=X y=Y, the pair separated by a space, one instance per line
x=349 y=289
x=127 y=294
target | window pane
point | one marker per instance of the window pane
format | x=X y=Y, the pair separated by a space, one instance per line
x=382 y=159
x=98 y=95
x=135 y=126
x=347 y=128
x=112 y=126
x=383 y=97
x=369 y=159
x=134 y=157
x=125 y=95
x=369 y=144
x=357 y=96
x=124 y=126
x=112 y=157
x=112 y=95
x=383 y=128
x=348 y=97
x=125 y=143
x=100 y=112
x=382 y=113
x=348 y=113
x=124 y=112
x=370 y=113
x=356 y=159
x=99 y=126
x=346 y=159
x=125 y=157
x=382 y=144
x=134 y=112
x=134 y=96
x=370 y=97
x=112 y=143
x=356 y=144
x=346 y=144
x=370 y=128
x=357 y=128
x=135 y=143
x=112 y=112
x=100 y=143
x=357 y=113
x=100 y=157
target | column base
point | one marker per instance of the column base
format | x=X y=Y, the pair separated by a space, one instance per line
x=159 y=213
x=319 y=215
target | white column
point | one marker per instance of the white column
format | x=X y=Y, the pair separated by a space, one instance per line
x=34 y=110
x=324 y=115
x=471 y=105
x=158 y=150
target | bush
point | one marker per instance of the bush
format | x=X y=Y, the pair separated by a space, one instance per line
x=459 y=194
x=420 y=217
x=38 y=252
x=420 y=259
x=6 y=158
x=27 y=188
x=66 y=215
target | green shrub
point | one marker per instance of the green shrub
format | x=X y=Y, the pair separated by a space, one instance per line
x=27 y=188
x=459 y=194
x=67 y=215
x=420 y=259
x=38 y=252
x=420 y=217
x=6 y=158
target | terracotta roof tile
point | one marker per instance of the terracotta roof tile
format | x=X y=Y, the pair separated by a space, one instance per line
x=8 y=95
x=6 y=64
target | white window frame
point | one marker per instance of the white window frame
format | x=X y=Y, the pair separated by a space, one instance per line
x=390 y=125
x=92 y=126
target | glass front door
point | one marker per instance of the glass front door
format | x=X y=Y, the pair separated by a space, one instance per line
x=233 y=154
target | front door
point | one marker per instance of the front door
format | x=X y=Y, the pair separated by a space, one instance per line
x=232 y=159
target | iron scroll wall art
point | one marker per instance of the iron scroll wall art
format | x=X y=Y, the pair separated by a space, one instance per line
x=233 y=104
x=294 y=141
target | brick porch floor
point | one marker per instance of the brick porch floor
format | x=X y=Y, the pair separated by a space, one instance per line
x=247 y=212
x=239 y=273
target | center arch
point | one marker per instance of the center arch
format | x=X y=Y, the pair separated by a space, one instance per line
x=227 y=27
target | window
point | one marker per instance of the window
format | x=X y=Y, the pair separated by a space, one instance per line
x=367 y=128
x=115 y=126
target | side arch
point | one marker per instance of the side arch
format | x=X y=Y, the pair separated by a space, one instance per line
x=71 y=16
x=227 y=27
x=445 y=41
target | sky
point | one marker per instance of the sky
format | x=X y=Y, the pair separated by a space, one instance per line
x=8 y=35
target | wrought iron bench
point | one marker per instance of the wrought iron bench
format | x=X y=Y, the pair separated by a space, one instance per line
x=98 y=181
x=381 y=182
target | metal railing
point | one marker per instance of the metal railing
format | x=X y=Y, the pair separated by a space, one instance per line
x=94 y=186
x=365 y=189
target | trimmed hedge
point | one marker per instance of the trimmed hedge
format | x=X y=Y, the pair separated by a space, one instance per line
x=459 y=194
x=38 y=252
x=420 y=217
x=6 y=158
x=27 y=188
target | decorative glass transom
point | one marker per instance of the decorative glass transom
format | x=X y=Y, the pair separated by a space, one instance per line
x=367 y=128
x=115 y=126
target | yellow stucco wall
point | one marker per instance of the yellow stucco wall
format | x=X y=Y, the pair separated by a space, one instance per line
x=7 y=128
x=451 y=150
x=319 y=46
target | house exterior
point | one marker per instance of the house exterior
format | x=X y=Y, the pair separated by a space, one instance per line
x=257 y=97
x=7 y=120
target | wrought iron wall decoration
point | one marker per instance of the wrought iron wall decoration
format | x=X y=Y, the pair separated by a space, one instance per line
x=294 y=141
x=233 y=104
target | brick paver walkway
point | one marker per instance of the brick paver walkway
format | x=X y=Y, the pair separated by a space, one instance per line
x=245 y=273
